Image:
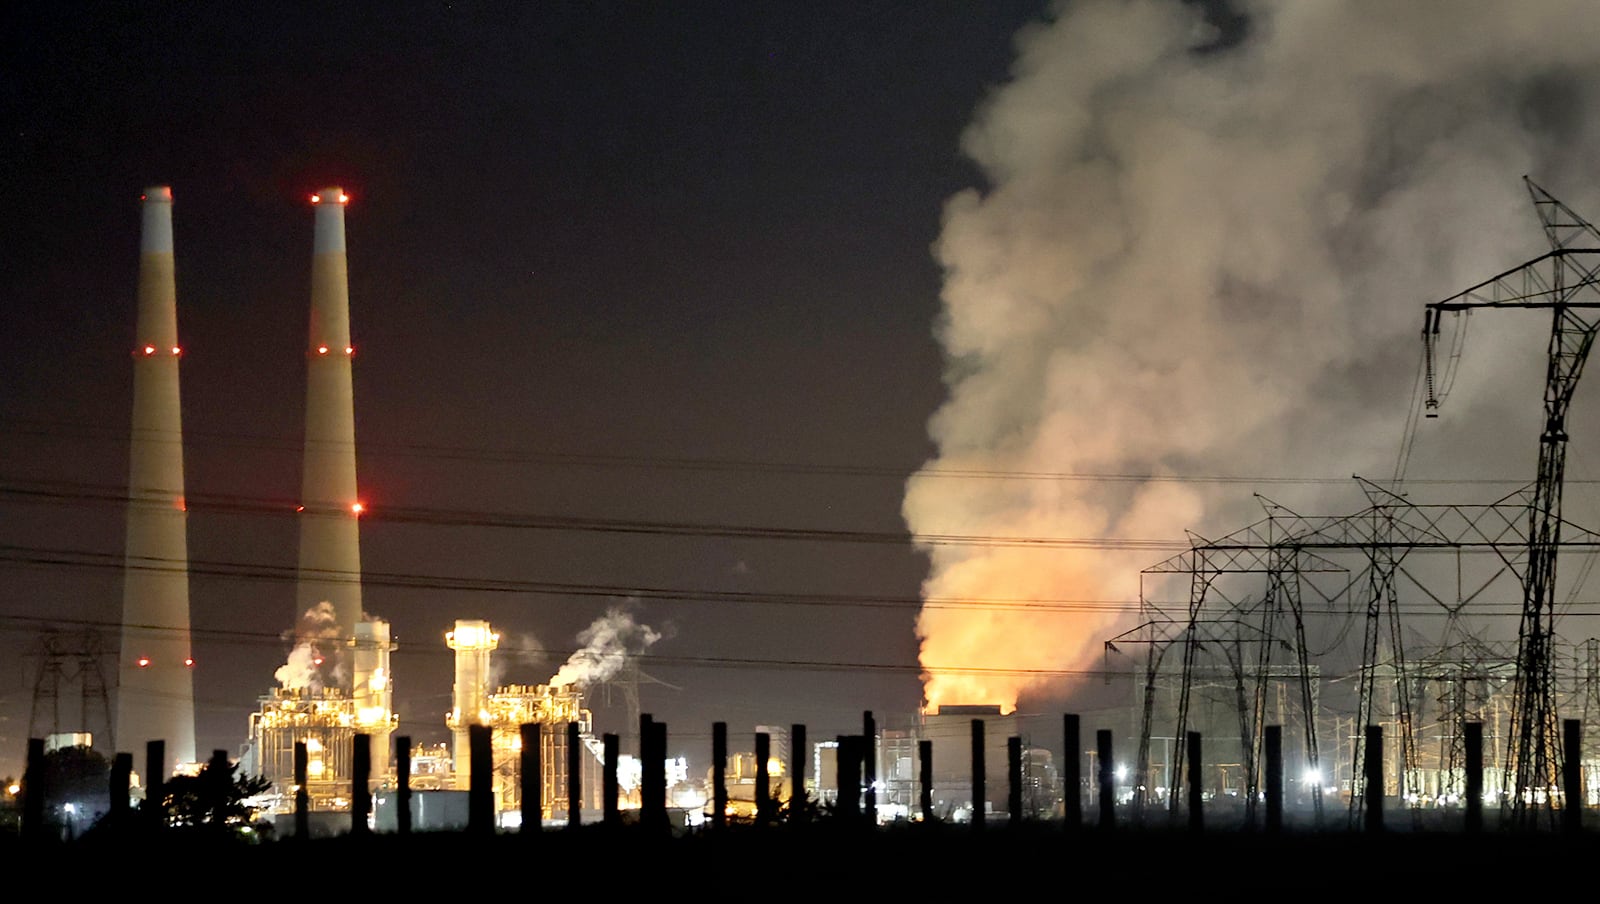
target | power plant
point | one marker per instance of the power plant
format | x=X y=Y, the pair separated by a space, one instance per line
x=155 y=687
x=1232 y=614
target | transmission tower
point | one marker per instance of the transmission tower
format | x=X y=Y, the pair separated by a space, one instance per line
x=66 y=659
x=1564 y=282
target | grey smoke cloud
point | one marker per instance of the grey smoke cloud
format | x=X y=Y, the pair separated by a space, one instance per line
x=1188 y=264
x=608 y=642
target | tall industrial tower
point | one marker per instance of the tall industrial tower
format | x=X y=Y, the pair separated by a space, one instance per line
x=330 y=552
x=155 y=689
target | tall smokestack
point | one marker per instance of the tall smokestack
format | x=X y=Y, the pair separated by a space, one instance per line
x=330 y=552
x=155 y=689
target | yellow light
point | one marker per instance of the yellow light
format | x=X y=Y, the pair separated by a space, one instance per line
x=13 y=789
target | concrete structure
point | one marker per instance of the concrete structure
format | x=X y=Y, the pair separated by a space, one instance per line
x=155 y=685
x=330 y=551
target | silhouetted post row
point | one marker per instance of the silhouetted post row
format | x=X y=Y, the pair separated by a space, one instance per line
x=1071 y=772
x=869 y=765
x=1274 y=790
x=531 y=777
x=480 y=782
x=1014 y=781
x=980 y=793
x=612 y=747
x=719 y=775
x=1473 y=737
x=155 y=781
x=574 y=776
x=797 y=772
x=1572 y=775
x=121 y=782
x=1107 y=778
x=763 y=789
x=1372 y=766
x=33 y=792
x=925 y=759
x=1197 y=818
x=302 y=794
x=848 y=755
x=402 y=770
x=360 y=787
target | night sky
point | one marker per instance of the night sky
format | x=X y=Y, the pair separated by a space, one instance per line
x=637 y=262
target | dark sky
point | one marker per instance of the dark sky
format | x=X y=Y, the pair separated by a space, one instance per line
x=638 y=262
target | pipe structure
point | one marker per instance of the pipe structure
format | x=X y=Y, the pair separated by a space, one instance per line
x=155 y=687
x=330 y=551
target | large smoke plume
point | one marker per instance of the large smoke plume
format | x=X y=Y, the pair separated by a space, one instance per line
x=1201 y=254
x=316 y=658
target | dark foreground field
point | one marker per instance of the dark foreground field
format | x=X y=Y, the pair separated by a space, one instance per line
x=827 y=860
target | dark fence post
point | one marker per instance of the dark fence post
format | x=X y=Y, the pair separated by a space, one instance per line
x=1014 y=775
x=797 y=772
x=1572 y=775
x=1274 y=752
x=1473 y=732
x=121 y=781
x=531 y=776
x=613 y=751
x=719 y=774
x=155 y=782
x=574 y=776
x=402 y=774
x=869 y=765
x=763 y=779
x=302 y=794
x=1107 y=778
x=848 y=762
x=33 y=791
x=925 y=758
x=1072 y=772
x=360 y=787
x=980 y=790
x=647 y=771
x=480 y=783
x=657 y=773
x=1372 y=769
x=1197 y=813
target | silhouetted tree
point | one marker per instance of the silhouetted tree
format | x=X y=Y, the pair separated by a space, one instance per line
x=214 y=799
x=76 y=784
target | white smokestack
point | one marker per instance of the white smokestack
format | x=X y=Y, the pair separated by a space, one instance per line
x=330 y=552
x=155 y=691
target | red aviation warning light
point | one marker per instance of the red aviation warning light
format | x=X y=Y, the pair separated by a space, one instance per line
x=322 y=349
x=344 y=198
x=357 y=508
x=189 y=662
x=176 y=350
x=144 y=661
x=316 y=199
x=349 y=349
x=149 y=350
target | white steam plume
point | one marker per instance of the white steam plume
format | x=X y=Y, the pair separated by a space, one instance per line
x=607 y=643
x=316 y=660
x=1198 y=256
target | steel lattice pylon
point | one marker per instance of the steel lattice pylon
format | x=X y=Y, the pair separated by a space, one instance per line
x=1563 y=281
